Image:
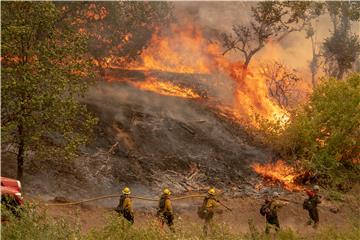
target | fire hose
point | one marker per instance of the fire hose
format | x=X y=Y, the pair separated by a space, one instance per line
x=226 y=207
x=86 y=200
x=331 y=209
x=133 y=197
x=117 y=195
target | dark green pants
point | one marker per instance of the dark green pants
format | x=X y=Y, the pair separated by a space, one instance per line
x=272 y=222
x=168 y=218
x=314 y=215
x=208 y=215
x=129 y=216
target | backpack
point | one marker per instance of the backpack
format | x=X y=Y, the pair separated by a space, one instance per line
x=307 y=204
x=201 y=212
x=162 y=203
x=120 y=207
x=265 y=208
x=202 y=209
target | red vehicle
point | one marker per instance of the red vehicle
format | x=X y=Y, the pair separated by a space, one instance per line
x=11 y=190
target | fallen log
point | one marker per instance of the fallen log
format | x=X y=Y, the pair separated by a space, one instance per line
x=187 y=128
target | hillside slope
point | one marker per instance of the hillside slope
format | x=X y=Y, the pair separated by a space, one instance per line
x=147 y=141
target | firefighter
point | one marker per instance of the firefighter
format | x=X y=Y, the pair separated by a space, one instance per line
x=165 y=211
x=207 y=209
x=269 y=209
x=310 y=204
x=124 y=208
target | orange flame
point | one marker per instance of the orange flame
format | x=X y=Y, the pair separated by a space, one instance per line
x=186 y=50
x=279 y=172
x=165 y=88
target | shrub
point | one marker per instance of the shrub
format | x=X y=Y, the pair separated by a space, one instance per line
x=118 y=228
x=324 y=134
x=37 y=225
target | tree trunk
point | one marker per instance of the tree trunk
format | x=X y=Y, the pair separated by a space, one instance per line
x=313 y=81
x=340 y=73
x=20 y=154
x=313 y=65
x=245 y=69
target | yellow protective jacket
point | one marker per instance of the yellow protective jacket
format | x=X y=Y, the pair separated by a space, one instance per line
x=127 y=206
x=168 y=206
x=165 y=205
x=211 y=203
x=276 y=204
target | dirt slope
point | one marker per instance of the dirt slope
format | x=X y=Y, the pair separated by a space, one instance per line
x=146 y=141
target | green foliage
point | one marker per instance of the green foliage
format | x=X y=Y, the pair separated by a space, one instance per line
x=341 y=51
x=117 y=228
x=332 y=233
x=43 y=72
x=342 y=48
x=119 y=28
x=37 y=225
x=34 y=223
x=336 y=196
x=286 y=234
x=324 y=134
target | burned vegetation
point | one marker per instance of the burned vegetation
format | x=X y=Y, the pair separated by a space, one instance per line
x=160 y=95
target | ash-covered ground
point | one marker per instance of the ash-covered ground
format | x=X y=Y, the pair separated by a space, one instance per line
x=148 y=141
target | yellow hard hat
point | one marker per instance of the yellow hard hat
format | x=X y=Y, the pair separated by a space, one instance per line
x=211 y=191
x=167 y=191
x=126 y=191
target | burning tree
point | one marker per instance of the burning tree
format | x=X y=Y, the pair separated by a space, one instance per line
x=280 y=81
x=122 y=29
x=324 y=134
x=166 y=61
x=272 y=21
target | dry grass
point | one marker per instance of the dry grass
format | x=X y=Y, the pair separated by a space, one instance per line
x=38 y=225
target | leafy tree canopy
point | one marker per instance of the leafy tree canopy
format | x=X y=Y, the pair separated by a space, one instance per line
x=43 y=68
x=118 y=29
x=342 y=48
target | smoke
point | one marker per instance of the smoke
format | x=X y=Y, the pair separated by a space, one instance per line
x=113 y=97
x=295 y=49
x=214 y=18
x=186 y=52
x=184 y=49
x=219 y=16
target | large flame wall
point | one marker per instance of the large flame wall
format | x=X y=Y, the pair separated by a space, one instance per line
x=186 y=50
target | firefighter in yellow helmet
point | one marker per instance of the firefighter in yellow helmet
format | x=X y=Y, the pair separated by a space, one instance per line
x=165 y=211
x=125 y=207
x=206 y=211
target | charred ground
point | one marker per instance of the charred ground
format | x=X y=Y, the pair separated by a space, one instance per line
x=148 y=141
